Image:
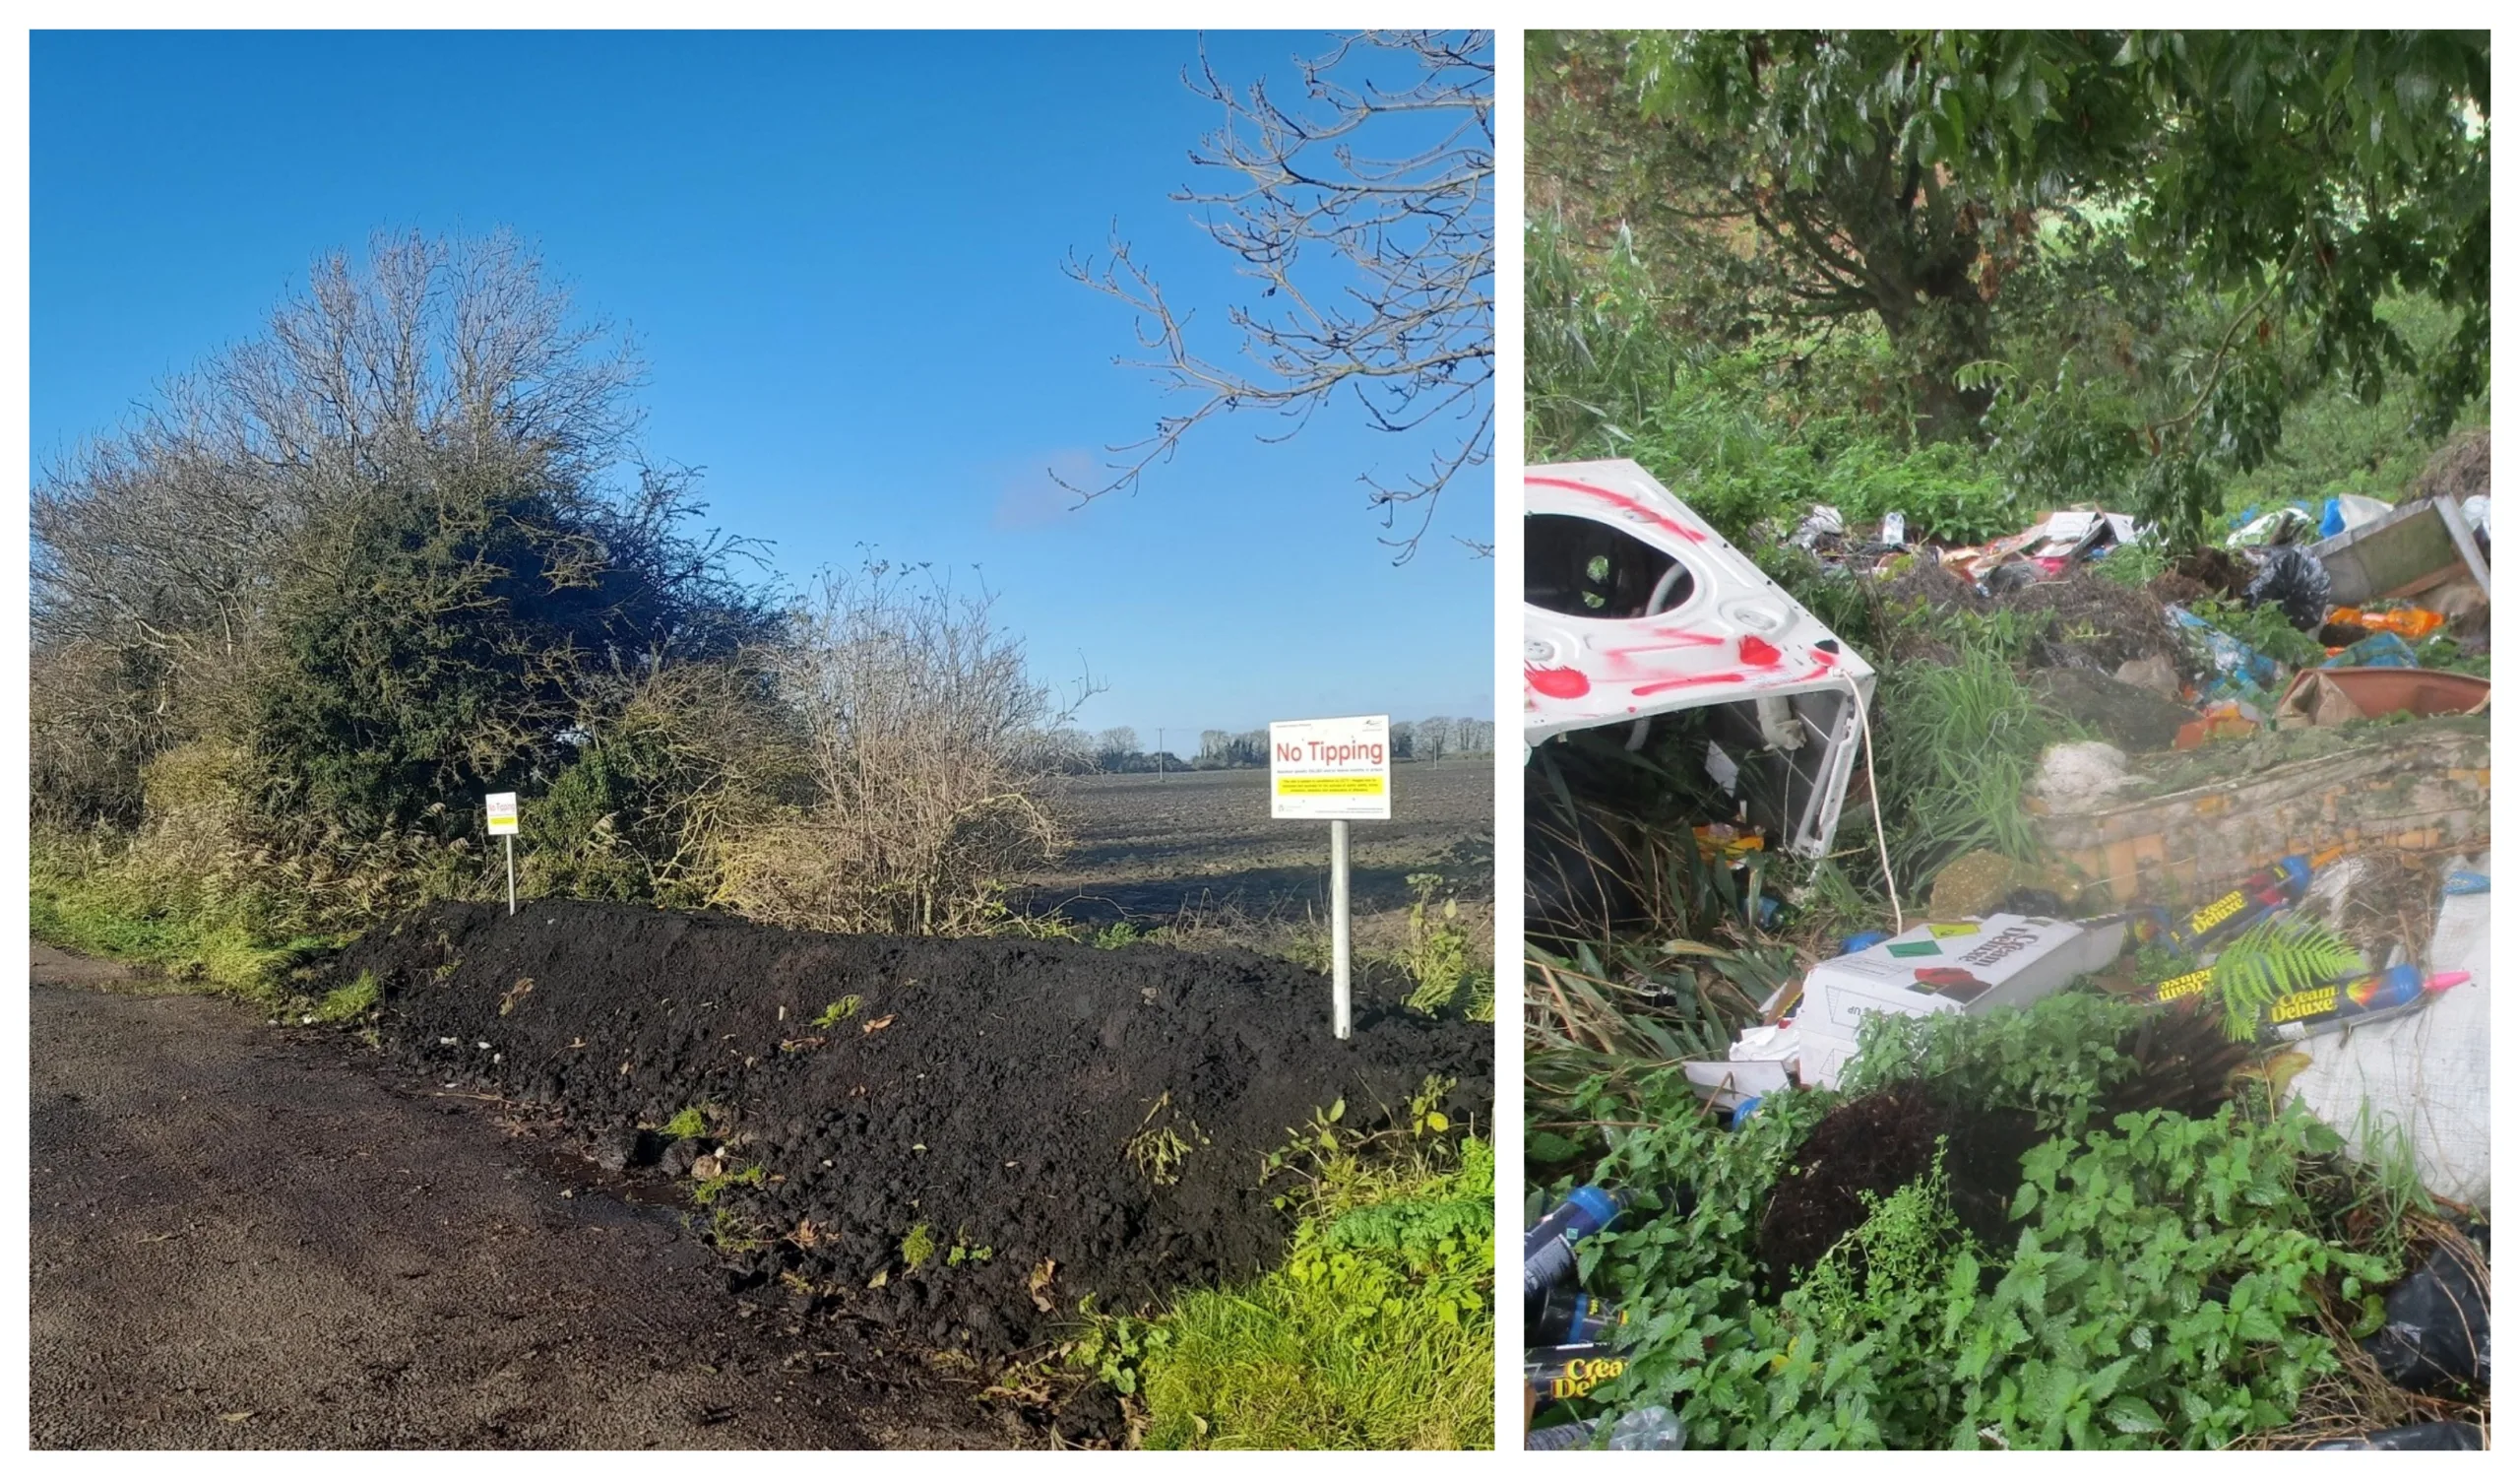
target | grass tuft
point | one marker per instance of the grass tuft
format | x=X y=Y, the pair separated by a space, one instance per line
x=1378 y=1332
x=347 y=1003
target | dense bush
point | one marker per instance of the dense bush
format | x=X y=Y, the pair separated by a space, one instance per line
x=401 y=551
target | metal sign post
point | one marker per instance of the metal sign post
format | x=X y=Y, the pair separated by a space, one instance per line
x=1336 y=771
x=1339 y=927
x=501 y=806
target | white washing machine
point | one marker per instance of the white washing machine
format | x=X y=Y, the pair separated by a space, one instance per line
x=1635 y=612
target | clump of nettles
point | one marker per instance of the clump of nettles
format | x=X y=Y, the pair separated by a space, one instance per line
x=2162 y=1274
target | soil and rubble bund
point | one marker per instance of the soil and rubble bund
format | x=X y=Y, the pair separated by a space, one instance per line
x=986 y=1091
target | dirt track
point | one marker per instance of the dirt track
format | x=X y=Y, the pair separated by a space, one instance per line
x=244 y=1237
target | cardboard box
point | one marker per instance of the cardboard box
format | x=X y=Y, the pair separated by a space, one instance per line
x=1951 y=966
x=1727 y=1085
x=1824 y=1060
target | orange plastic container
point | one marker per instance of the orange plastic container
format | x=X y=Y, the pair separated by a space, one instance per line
x=2411 y=622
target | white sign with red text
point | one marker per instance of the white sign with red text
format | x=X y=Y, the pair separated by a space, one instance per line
x=1331 y=770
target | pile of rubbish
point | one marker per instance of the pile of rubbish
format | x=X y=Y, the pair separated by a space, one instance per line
x=1808 y=1031
x=2387 y=1043
x=2391 y=595
x=2279 y=850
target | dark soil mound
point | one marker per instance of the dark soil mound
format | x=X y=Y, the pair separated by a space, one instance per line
x=1879 y=1144
x=2462 y=468
x=2077 y=620
x=2178 y=1060
x=978 y=1097
x=2207 y=570
x=2093 y=622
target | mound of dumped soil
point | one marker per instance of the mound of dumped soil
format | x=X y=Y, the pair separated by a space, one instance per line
x=955 y=1138
x=2206 y=571
x=2077 y=620
x=1877 y=1144
x=2178 y=1060
x=2093 y=622
x=2462 y=468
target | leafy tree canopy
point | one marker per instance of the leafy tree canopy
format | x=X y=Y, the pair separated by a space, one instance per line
x=2286 y=186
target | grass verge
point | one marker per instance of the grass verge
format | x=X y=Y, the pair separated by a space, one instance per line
x=1377 y=1332
x=92 y=903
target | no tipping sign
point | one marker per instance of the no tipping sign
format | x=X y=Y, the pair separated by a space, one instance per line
x=1331 y=770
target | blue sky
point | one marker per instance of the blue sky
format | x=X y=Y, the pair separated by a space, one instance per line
x=840 y=257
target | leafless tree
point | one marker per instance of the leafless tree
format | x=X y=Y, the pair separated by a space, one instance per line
x=1368 y=216
x=931 y=748
x=429 y=357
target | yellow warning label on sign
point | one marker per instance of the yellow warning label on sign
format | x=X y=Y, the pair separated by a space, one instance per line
x=1946 y=931
x=1329 y=786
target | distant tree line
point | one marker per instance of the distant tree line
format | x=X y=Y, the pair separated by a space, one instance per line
x=1119 y=751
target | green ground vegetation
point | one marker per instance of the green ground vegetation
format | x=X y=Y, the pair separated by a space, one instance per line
x=1378 y=1331
x=2168 y=1281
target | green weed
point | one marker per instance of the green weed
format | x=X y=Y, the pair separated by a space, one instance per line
x=2262 y=627
x=833 y=1016
x=918 y=1246
x=1439 y=955
x=121 y=905
x=710 y=1188
x=2168 y=1282
x=690 y=1121
x=2276 y=955
x=344 y=1003
x=1960 y=744
x=1159 y=1150
x=1377 y=1333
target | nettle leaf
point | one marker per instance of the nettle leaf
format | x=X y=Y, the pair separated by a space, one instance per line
x=2130 y=1413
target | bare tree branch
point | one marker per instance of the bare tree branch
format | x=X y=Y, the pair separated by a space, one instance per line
x=1367 y=217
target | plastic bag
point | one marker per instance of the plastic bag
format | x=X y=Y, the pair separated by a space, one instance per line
x=1824 y=522
x=2242 y=672
x=2293 y=579
x=2438 y=1333
x=2282 y=527
x=2440 y=1436
x=1650 y=1428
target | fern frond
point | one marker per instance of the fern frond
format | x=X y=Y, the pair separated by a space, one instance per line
x=2280 y=954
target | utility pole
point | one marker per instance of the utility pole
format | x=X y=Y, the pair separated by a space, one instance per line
x=1159 y=753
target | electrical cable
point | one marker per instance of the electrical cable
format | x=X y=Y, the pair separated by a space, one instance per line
x=1872 y=794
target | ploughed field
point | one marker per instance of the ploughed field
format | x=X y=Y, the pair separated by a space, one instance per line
x=1149 y=849
x=953 y=1140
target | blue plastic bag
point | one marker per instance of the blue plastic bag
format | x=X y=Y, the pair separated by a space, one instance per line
x=2379 y=650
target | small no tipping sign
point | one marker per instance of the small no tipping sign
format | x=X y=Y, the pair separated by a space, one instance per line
x=1331 y=770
